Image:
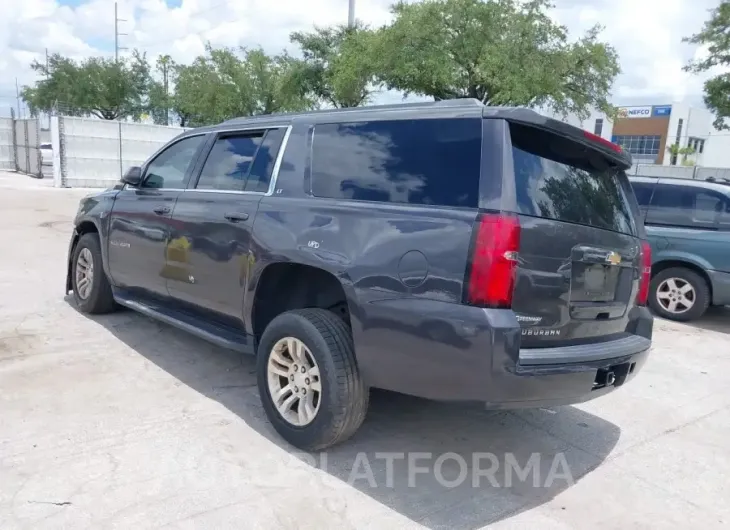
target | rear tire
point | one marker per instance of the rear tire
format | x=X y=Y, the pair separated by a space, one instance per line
x=92 y=292
x=667 y=299
x=343 y=397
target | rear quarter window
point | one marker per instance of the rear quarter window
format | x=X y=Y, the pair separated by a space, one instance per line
x=425 y=162
x=687 y=206
x=556 y=178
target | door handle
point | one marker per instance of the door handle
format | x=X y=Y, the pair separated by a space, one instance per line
x=161 y=210
x=235 y=217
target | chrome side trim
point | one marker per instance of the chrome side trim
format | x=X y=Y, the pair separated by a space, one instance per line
x=230 y=192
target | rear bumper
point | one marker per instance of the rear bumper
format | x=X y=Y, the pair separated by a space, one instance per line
x=452 y=352
x=720 y=287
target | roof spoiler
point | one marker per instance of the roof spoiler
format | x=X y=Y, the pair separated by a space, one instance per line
x=528 y=117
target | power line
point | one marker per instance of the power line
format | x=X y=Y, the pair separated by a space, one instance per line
x=190 y=15
x=350 y=23
x=211 y=8
x=198 y=33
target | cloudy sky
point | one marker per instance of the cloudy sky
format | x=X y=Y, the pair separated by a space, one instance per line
x=647 y=34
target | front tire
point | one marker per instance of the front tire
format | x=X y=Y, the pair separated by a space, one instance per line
x=319 y=398
x=91 y=288
x=679 y=294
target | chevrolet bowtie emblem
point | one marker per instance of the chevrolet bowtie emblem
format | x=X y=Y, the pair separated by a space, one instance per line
x=613 y=258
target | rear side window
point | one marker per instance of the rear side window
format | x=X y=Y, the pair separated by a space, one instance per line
x=643 y=191
x=559 y=179
x=685 y=206
x=433 y=161
x=228 y=165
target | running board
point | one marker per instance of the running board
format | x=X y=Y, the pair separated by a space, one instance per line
x=225 y=338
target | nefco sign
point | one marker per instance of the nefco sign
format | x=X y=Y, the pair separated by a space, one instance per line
x=655 y=111
x=634 y=112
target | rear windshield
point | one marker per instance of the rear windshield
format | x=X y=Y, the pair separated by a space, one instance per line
x=556 y=178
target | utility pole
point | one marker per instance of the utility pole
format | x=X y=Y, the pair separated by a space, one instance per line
x=17 y=97
x=165 y=63
x=48 y=73
x=117 y=20
x=351 y=14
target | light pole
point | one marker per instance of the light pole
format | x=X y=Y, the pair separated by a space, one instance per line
x=351 y=14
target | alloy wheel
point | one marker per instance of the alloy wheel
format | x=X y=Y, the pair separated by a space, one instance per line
x=294 y=381
x=676 y=295
x=84 y=273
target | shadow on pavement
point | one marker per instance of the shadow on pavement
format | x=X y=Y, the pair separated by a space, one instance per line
x=440 y=465
x=717 y=318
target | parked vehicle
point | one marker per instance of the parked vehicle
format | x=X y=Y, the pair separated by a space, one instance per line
x=46 y=154
x=688 y=225
x=446 y=250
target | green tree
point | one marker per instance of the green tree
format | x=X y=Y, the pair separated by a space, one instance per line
x=160 y=97
x=97 y=86
x=676 y=151
x=221 y=85
x=502 y=52
x=336 y=67
x=715 y=35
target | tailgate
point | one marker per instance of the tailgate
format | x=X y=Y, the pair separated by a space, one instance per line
x=580 y=251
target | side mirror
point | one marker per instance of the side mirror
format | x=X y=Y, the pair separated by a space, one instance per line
x=133 y=176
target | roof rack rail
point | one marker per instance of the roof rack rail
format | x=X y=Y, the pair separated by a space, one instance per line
x=463 y=102
x=717 y=180
x=460 y=102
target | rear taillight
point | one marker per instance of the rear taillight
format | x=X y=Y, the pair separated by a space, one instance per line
x=493 y=266
x=645 y=274
x=595 y=138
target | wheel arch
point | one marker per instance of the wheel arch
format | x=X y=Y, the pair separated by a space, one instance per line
x=665 y=264
x=285 y=285
x=83 y=227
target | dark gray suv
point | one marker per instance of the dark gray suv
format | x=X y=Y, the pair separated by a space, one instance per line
x=446 y=250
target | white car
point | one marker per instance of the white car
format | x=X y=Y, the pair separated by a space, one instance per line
x=46 y=154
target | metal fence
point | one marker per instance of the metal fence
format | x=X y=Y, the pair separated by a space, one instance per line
x=7 y=146
x=28 y=158
x=95 y=153
x=680 y=172
x=20 y=146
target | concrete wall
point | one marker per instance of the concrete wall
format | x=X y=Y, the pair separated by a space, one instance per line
x=681 y=172
x=7 y=156
x=95 y=153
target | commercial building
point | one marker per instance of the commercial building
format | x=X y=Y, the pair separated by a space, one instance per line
x=649 y=133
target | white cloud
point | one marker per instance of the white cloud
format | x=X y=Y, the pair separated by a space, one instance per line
x=646 y=33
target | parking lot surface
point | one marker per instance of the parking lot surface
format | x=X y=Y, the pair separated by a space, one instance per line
x=122 y=422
